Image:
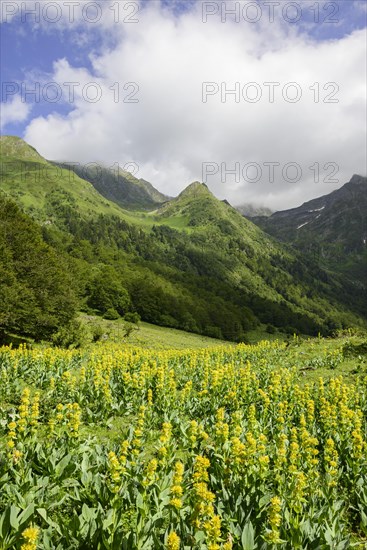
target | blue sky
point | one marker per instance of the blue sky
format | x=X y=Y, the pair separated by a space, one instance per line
x=27 y=52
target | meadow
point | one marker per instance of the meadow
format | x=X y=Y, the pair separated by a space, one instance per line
x=226 y=447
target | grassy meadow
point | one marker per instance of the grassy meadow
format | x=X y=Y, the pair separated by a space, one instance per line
x=207 y=447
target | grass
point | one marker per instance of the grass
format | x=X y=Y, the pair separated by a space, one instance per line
x=152 y=336
x=313 y=357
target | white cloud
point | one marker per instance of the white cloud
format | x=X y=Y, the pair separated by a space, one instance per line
x=170 y=133
x=14 y=111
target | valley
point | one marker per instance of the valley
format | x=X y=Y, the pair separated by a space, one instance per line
x=191 y=262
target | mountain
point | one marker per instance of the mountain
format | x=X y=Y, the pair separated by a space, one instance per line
x=260 y=266
x=332 y=229
x=42 y=188
x=193 y=262
x=155 y=195
x=197 y=207
x=119 y=186
x=252 y=211
x=15 y=147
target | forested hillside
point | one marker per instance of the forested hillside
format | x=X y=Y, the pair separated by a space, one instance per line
x=38 y=292
x=332 y=229
x=118 y=186
x=194 y=263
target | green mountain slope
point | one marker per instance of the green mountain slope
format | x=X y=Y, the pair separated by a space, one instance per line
x=332 y=229
x=193 y=263
x=119 y=186
x=258 y=264
x=43 y=188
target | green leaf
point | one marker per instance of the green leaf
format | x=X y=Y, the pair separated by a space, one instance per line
x=199 y=536
x=62 y=465
x=26 y=514
x=43 y=513
x=13 y=517
x=87 y=513
x=248 y=537
x=85 y=464
x=140 y=501
x=47 y=541
x=5 y=523
x=109 y=519
x=264 y=501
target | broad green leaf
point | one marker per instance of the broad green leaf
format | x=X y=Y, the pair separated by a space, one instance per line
x=62 y=465
x=26 y=514
x=43 y=513
x=248 y=537
x=13 y=517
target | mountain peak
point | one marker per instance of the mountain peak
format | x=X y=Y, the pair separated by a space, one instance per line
x=14 y=146
x=358 y=180
x=195 y=189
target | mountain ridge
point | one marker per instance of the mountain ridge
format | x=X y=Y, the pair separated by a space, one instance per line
x=194 y=262
x=333 y=226
x=15 y=146
x=119 y=186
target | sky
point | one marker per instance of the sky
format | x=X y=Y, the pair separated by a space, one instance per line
x=262 y=100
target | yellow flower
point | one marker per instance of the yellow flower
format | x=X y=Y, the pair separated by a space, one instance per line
x=275 y=507
x=179 y=469
x=152 y=466
x=173 y=541
x=176 y=490
x=212 y=527
x=228 y=545
x=30 y=535
x=17 y=455
x=200 y=468
x=162 y=451
x=176 y=502
x=150 y=397
x=273 y=536
x=150 y=474
x=264 y=460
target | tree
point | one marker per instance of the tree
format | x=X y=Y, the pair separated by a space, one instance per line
x=37 y=291
x=105 y=292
